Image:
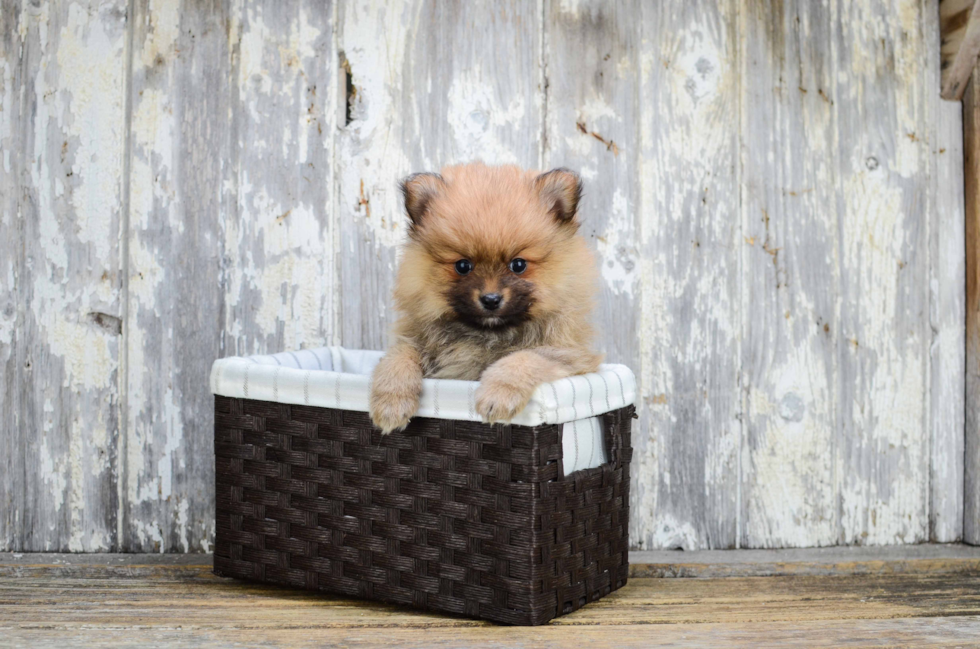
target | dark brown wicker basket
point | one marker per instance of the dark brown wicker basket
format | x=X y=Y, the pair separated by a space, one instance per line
x=449 y=515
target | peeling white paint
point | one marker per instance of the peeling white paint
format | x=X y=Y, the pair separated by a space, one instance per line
x=671 y=533
x=673 y=266
x=90 y=87
x=476 y=118
x=617 y=247
x=371 y=161
x=163 y=18
x=52 y=468
x=251 y=67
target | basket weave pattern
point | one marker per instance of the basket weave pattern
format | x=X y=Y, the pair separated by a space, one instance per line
x=449 y=515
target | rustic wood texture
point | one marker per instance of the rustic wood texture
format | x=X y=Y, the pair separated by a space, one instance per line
x=947 y=304
x=959 y=23
x=790 y=276
x=971 y=177
x=591 y=62
x=109 y=603
x=371 y=156
x=179 y=139
x=884 y=334
x=62 y=139
x=773 y=190
x=687 y=442
x=280 y=280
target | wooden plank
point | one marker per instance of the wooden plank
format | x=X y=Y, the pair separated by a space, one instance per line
x=138 y=599
x=179 y=139
x=148 y=603
x=959 y=44
x=928 y=632
x=15 y=492
x=687 y=440
x=63 y=137
x=926 y=560
x=884 y=336
x=790 y=275
x=947 y=298
x=240 y=170
x=280 y=281
x=921 y=632
x=971 y=178
x=592 y=63
x=187 y=609
x=412 y=106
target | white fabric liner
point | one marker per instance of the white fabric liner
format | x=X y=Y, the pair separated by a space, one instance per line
x=334 y=377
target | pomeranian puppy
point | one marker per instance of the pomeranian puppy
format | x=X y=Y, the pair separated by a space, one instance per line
x=495 y=284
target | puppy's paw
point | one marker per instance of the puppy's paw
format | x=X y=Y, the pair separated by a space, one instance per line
x=498 y=400
x=391 y=411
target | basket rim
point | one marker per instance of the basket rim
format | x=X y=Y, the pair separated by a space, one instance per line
x=301 y=377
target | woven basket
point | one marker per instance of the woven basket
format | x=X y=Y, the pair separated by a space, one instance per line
x=449 y=515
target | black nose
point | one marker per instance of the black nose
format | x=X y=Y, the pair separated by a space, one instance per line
x=491 y=301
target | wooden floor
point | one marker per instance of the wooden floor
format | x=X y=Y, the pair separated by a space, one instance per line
x=921 y=596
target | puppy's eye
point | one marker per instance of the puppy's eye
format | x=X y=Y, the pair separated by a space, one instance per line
x=518 y=265
x=464 y=266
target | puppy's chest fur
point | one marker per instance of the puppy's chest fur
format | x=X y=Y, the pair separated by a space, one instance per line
x=453 y=350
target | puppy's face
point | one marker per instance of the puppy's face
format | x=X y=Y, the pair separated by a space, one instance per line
x=490 y=246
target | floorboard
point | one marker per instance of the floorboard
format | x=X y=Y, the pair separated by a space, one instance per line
x=926 y=597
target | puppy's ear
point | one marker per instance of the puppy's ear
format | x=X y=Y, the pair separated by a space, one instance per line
x=561 y=190
x=419 y=190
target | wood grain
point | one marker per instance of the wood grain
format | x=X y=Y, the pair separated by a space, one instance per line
x=855 y=634
x=960 y=44
x=592 y=66
x=188 y=606
x=687 y=441
x=372 y=155
x=925 y=559
x=179 y=138
x=884 y=335
x=202 y=179
x=279 y=267
x=947 y=299
x=63 y=150
x=971 y=177
x=16 y=492
x=790 y=275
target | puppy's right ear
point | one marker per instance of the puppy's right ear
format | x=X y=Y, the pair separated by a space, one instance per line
x=419 y=190
x=561 y=190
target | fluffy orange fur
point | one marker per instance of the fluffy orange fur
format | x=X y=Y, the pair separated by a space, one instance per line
x=540 y=332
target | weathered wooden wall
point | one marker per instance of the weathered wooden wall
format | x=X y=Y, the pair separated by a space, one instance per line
x=774 y=190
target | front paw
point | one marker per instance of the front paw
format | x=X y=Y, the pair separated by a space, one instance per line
x=391 y=411
x=498 y=400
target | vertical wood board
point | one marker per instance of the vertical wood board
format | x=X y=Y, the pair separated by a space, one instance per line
x=947 y=295
x=774 y=193
x=883 y=344
x=687 y=440
x=279 y=229
x=790 y=275
x=63 y=145
x=178 y=147
x=971 y=181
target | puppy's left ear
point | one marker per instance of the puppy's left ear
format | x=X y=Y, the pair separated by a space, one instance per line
x=419 y=190
x=561 y=190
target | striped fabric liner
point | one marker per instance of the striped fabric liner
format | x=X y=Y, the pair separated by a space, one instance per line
x=334 y=377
